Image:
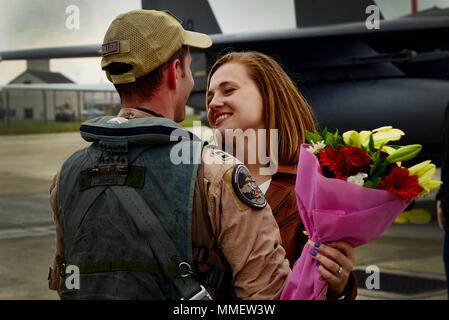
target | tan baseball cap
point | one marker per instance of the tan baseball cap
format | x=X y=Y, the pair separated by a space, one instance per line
x=145 y=39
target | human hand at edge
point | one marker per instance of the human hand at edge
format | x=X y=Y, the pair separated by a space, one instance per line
x=440 y=216
x=340 y=253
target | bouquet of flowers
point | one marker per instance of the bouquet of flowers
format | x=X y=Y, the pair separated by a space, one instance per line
x=351 y=187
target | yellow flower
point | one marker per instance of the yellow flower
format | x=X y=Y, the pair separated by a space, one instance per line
x=384 y=135
x=425 y=171
x=381 y=136
x=352 y=138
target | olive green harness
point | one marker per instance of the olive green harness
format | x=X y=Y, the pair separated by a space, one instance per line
x=125 y=206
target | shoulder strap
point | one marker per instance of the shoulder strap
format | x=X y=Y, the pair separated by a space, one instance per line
x=86 y=200
x=212 y=266
x=162 y=245
x=200 y=210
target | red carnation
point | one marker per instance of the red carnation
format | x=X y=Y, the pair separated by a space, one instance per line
x=399 y=183
x=328 y=161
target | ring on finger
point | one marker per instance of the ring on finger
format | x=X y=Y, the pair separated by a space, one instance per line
x=340 y=270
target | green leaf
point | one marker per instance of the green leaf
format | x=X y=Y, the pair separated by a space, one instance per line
x=324 y=134
x=376 y=182
x=371 y=143
x=309 y=136
x=318 y=137
x=377 y=156
x=329 y=140
x=380 y=168
x=373 y=183
x=313 y=136
x=372 y=168
x=368 y=184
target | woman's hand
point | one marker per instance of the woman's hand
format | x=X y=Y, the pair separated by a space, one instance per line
x=440 y=215
x=337 y=268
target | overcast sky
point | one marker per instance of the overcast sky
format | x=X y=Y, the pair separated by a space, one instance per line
x=42 y=23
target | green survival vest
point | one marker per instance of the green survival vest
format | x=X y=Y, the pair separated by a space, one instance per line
x=125 y=206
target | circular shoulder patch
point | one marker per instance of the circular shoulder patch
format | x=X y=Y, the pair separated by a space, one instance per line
x=246 y=188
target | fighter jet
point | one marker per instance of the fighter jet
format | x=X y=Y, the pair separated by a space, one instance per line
x=354 y=75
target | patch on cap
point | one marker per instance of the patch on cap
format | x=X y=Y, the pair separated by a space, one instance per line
x=109 y=48
x=246 y=188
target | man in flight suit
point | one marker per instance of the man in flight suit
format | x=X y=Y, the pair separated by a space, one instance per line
x=236 y=243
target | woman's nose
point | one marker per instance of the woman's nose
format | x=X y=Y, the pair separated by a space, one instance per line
x=215 y=103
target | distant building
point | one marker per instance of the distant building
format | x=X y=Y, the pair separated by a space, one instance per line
x=39 y=104
x=52 y=93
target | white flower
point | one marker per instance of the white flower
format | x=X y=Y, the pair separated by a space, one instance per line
x=358 y=178
x=314 y=148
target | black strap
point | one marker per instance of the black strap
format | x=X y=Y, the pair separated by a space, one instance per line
x=124 y=265
x=218 y=279
x=150 y=112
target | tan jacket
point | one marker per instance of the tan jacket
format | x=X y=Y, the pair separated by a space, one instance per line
x=248 y=238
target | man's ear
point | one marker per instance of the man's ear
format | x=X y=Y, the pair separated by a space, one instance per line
x=173 y=73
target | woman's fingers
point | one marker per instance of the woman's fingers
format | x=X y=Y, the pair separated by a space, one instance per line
x=332 y=266
x=328 y=269
x=345 y=247
x=340 y=252
x=326 y=274
x=335 y=263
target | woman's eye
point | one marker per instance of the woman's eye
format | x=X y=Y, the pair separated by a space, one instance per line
x=227 y=91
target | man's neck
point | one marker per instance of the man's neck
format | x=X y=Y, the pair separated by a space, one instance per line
x=158 y=103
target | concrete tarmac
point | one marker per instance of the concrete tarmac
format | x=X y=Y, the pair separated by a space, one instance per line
x=27 y=234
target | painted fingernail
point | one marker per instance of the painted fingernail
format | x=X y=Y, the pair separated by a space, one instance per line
x=317 y=264
x=317 y=244
x=313 y=253
x=328 y=242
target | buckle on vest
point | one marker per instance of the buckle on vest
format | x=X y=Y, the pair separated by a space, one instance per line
x=62 y=271
x=185 y=269
x=201 y=295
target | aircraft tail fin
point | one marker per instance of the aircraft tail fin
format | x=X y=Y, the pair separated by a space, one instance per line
x=196 y=15
x=310 y=13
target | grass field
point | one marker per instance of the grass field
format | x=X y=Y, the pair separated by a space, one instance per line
x=32 y=127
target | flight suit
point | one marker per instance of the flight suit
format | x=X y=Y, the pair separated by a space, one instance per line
x=247 y=237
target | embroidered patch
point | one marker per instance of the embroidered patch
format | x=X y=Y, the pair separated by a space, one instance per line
x=246 y=188
x=112 y=47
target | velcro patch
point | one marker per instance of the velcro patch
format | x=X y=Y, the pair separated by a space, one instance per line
x=112 y=47
x=246 y=188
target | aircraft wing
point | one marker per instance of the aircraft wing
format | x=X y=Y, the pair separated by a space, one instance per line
x=298 y=42
x=351 y=48
x=104 y=87
x=349 y=51
x=53 y=53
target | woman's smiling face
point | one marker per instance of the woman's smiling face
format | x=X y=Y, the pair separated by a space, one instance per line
x=234 y=101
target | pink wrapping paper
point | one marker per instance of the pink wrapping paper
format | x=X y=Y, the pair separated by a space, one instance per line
x=331 y=210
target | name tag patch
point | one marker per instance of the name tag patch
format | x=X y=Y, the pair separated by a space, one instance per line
x=109 y=48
